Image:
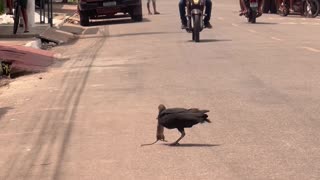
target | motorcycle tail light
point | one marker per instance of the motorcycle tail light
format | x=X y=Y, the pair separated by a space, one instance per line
x=196 y=1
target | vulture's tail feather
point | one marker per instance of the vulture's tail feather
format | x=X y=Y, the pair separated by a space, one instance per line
x=205 y=111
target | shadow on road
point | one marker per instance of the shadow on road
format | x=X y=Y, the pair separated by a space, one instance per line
x=194 y=145
x=143 y=34
x=266 y=23
x=4 y=110
x=125 y=35
x=211 y=40
x=115 y=21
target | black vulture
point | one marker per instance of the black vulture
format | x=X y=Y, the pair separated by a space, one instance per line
x=179 y=118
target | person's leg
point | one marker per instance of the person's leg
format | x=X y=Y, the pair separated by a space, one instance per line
x=208 y=14
x=208 y=10
x=291 y=5
x=148 y=6
x=155 y=7
x=260 y=5
x=243 y=7
x=182 y=10
x=25 y=19
x=9 y=5
x=279 y=3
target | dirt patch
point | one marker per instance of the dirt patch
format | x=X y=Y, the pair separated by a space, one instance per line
x=4 y=82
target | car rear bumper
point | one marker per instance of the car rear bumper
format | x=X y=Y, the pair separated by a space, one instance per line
x=103 y=7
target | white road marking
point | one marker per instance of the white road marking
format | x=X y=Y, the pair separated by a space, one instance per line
x=277 y=39
x=235 y=25
x=252 y=31
x=311 y=49
x=53 y=108
x=22 y=133
x=97 y=85
x=289 y=23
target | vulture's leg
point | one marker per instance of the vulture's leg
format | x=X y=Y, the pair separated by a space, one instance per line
x=182 y=135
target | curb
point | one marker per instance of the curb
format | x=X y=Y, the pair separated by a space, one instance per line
x=37 y=43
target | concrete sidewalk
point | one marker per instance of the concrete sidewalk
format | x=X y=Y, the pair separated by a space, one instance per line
x=24 y=50
x=61 y=12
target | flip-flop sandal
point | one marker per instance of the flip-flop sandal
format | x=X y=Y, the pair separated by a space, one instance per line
x=25 y=31
x=244 y=12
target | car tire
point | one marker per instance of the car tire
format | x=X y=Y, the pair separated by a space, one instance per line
x=84 y=18
x=137 y=18
x=136 y=13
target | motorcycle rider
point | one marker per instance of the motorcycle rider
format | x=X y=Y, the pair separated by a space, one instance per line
x=182 y=10
x=244 y=9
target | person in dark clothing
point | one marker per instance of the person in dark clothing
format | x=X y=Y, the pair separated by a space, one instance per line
x=244 y=10
x=24 y=14
x=182 y=10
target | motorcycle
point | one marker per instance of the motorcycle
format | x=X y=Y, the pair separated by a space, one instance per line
x=195 y=16
x=307 y=8
x=252 y=10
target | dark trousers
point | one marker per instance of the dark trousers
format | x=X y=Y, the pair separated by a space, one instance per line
x=182 y=10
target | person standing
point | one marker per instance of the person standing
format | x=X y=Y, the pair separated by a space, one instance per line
x=24 y=14
x=291 y=6
x=9 y=6
x=154 y=7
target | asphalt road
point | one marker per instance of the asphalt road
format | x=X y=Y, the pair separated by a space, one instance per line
x=87 y=116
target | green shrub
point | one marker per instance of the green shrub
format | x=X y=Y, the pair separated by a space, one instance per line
x=1 y=7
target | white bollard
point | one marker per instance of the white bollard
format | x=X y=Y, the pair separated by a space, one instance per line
x=31 y=12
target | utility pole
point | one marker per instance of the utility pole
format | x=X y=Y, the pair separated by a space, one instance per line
x=31 y=12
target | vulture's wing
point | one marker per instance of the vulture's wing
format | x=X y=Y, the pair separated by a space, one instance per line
x=182 y=119
x=196 y=110
x=172 y=111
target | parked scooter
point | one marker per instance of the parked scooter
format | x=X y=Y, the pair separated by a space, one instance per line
x=307 y=8
x=195 y=16
x=252 y=12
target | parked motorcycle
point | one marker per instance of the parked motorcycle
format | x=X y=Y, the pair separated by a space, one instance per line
x=307 y=8
x=195 y=16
